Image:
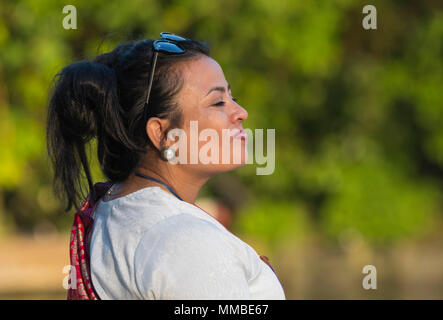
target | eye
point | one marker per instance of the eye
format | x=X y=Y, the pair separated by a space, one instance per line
x=220 y=104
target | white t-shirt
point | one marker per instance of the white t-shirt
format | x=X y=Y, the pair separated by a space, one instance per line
x=151 y=245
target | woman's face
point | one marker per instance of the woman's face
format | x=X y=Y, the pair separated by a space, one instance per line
x=212 y=120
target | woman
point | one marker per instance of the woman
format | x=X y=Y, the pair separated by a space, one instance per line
x=148 y=240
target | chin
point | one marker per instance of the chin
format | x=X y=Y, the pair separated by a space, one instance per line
x=230 y=166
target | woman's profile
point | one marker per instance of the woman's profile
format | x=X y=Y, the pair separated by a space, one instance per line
x=139 y=235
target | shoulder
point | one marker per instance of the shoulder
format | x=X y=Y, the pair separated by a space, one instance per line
x=136 y=213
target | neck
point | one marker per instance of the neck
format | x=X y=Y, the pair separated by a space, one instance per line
x=186 y=184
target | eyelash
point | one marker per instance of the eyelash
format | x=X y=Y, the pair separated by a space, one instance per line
x=222 y=103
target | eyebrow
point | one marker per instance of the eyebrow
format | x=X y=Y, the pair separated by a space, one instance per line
x=222 y=89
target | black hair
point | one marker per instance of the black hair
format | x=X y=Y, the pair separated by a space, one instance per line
x=105 y=99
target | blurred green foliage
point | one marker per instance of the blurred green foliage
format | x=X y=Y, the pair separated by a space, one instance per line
x=357 y=113
x=271 y=224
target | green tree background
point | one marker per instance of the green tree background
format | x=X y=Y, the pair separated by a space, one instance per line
x=357 y=113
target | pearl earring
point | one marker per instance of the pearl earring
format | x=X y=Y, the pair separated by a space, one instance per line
x=167 y=154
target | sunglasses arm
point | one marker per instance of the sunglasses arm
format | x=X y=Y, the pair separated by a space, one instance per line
x=151 y=77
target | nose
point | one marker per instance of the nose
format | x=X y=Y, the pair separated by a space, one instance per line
x=239 y=114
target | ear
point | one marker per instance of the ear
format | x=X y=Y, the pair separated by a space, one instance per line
x=155 y=129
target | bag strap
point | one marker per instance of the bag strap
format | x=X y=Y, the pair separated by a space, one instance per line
x=80 y=283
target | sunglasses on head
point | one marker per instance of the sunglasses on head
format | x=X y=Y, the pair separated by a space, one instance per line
x=168 y=44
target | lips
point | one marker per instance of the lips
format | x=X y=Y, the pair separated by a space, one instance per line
x=241 y=135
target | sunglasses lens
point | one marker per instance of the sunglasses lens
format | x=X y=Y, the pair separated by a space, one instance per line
x=167 y=47
x=170 y=36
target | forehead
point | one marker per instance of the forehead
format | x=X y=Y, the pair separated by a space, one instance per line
x=202 y=74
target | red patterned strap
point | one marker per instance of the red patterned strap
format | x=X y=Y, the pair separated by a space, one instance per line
x=83 y=289
x=266 y=260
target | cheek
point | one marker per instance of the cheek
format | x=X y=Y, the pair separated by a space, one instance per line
x=218 y=122
x=208 y=140
x=207 y=130
x=212 y=119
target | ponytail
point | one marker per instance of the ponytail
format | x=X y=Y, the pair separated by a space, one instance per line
x=83 y=91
